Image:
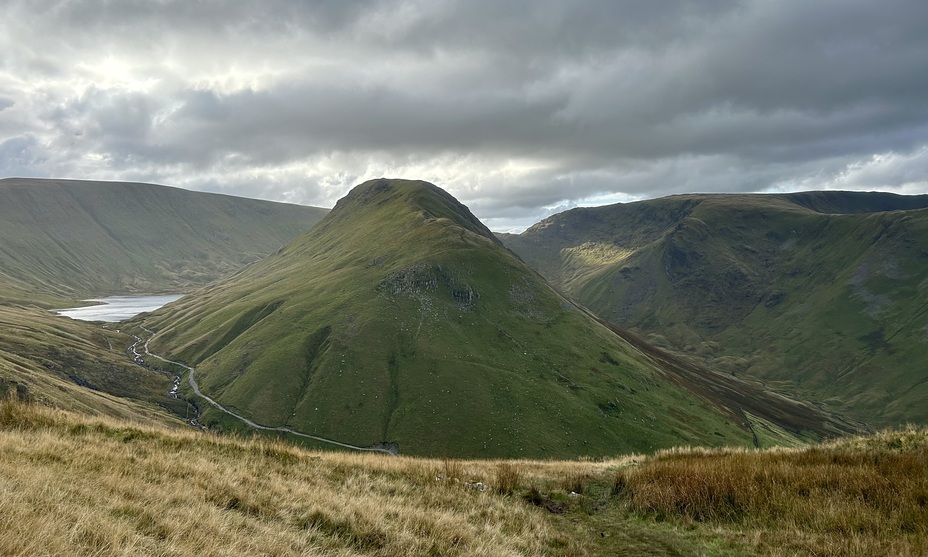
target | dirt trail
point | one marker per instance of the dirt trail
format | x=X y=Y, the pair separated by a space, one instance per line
x=196 y=389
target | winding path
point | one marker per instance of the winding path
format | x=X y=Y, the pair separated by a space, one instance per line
x=199 y=393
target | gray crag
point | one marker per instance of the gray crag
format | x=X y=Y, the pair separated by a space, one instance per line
x=415 y=281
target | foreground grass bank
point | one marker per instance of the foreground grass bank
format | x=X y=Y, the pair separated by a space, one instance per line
x=72 y=484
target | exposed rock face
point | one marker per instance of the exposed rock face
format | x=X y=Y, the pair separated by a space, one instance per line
x=420 y=280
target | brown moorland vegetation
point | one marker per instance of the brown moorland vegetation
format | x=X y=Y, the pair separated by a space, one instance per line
x=73 y=484
x=863 y=496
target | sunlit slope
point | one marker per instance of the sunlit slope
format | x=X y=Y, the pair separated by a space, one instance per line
x=64 y=239
x=400 y=318
x=822 y=293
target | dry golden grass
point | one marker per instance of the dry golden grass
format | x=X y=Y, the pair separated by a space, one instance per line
x=92 y=486
x=863 y=496
x=78 y=485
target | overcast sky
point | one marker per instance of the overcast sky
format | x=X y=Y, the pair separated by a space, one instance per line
x=519 y=108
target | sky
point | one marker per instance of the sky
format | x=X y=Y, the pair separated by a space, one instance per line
x=519 y=108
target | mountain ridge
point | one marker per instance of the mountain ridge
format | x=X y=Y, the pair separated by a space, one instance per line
x=818 y=294
x=68 y=239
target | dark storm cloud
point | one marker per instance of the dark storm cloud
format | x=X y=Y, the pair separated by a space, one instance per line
x=290 y=119
x=516 y=107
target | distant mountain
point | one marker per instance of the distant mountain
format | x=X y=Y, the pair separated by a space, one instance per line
x=401 y=319
x=823 y=294
x=63 y=240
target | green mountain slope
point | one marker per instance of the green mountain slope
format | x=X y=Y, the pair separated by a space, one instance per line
x=823 y=294
x=60 y=362
x=401 y=319
x=63 y=240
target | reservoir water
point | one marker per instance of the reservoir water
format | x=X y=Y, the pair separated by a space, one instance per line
x=118 y=308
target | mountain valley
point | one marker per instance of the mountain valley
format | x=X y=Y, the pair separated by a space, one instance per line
x=400 y=323
x=818 y=294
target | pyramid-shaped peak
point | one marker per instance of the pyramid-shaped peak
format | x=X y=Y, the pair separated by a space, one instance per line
x=431 y=201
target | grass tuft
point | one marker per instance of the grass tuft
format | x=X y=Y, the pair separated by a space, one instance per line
x=575 y=482
x=856 y=497
x=452 y=469
x=507 y=478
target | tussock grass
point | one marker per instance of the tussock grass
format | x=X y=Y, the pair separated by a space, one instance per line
x=78 y=485
x=866 y=495
x=507 y=477
x=93 y=486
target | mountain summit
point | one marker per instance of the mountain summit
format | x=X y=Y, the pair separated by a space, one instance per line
x=432 y=201
x=401 y=319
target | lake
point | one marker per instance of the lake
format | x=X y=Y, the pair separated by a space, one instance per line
x=118 y=308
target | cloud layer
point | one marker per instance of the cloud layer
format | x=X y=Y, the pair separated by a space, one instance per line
x=517 y=108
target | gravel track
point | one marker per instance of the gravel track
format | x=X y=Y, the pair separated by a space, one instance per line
x=199 y=393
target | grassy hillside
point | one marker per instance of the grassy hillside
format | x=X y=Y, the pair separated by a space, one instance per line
x=64 y=240
x=401 y=319
x=821 y=294
x=80 y=367
x=76 y=485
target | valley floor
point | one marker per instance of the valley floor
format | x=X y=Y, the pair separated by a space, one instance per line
x=79 y=485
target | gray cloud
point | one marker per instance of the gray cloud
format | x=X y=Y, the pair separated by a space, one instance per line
x=516 y=107
x=19 y=155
